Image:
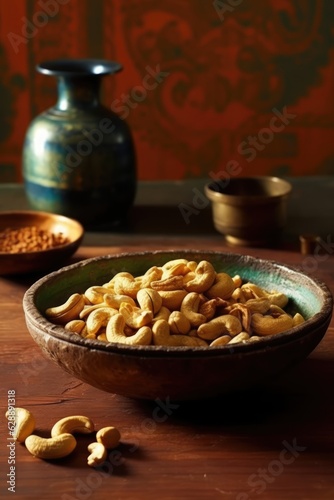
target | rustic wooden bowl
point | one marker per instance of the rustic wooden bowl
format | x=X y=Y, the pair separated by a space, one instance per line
x=178 y=373
x=26 y=262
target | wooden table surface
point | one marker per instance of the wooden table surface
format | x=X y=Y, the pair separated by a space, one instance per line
x=275 y=442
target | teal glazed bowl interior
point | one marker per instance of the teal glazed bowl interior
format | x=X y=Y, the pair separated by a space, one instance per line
x=179 y=373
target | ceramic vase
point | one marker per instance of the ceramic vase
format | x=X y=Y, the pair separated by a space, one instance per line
x=79 y=156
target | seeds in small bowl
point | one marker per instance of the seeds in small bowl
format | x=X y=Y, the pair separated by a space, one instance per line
x=30 y=239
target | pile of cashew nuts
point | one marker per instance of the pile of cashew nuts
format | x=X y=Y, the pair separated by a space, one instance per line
x=182 y=303
x=62 y=442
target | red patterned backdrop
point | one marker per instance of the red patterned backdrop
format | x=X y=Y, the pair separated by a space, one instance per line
x=205 y=82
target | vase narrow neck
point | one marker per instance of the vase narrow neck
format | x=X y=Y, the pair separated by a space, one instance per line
x=78 y=93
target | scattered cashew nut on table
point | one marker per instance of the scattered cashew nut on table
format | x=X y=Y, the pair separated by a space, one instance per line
x=49 y=448
x=72 y=425
x=62 y=442
x=108 y=436
x=98 y=454
x=24 y=422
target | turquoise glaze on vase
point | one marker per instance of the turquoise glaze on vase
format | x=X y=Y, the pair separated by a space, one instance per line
x=78 y=156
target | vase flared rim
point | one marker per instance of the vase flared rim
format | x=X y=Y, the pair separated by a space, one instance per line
x=78 y=67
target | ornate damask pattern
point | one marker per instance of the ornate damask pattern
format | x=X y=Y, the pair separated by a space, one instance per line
x=13 y=86
x=203 y=82
x=47 y=44
x=32 y=31
x=227 y=69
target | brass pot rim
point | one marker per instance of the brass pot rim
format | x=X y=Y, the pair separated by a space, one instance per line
x=232 y=198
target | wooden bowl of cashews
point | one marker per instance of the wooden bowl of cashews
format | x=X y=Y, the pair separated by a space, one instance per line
x=183 y=325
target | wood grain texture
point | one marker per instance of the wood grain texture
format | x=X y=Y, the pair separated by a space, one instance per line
x=274 y=442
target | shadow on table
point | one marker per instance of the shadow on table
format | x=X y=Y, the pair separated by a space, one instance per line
x=296 y=399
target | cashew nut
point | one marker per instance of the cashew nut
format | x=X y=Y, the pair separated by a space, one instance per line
x=208 y=308
x=298 y=319
x=237 y=280
x=108 y=436
x=99 y=318
x=172 y=299
x=268 y=325
x=163 y=313
x=171 y=265
x=219 y=326
x=152 y=274
x=252 y=291
x=114 y=300
x=168 y=284
x=193 y=332
x=75 y=326
x=234 y=311
x=24 y=423
x=238 y=295
x=254 y=338
x=223 y=340
x=205 y=276
x=278 y=299
x=260 y=305
x=73 y=424
x=162 y=336
x=89 y=308
x=95 y=294
x=241 y=337
x=243 y=314
x=191 y=265
x=86 y=335
x=149 y=299
x=189 y=308
x=134 y=316
x=48 y=448
x=111 y=283
x=179 y=323
x=223 y=287
x=110 y=286
x=189 y=277
x=175 y=268
x=66 y=312
x=128 y=331
x=103 y=337
x=115 y=332
x=126 y=285
x=98 y=454
x=275 y=311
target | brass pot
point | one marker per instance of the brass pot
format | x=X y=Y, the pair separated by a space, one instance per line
x=249 y=210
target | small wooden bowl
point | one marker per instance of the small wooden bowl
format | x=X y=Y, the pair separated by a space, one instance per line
x=26 y=262
x=177 y=373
